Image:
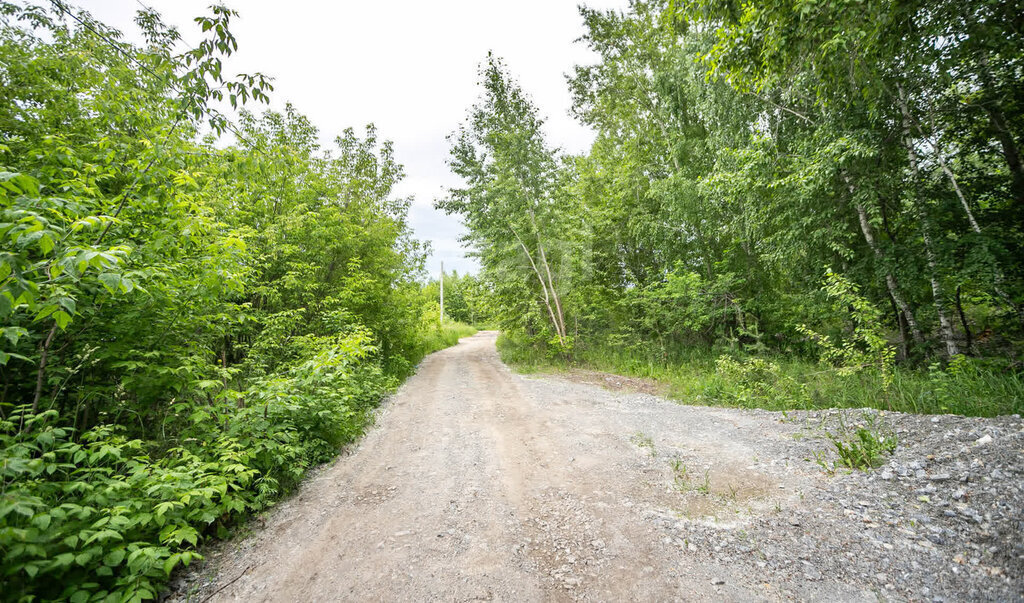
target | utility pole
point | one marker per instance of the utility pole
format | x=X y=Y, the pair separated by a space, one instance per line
x=441 y=318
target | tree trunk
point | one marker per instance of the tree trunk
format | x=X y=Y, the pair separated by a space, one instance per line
x=956 y=188
x=1010 y=152
x=901 y=324
x=945 y=325
x=554 y=294
x=964 y=323
x=44 y=350
x=890 y=280
x=543 y=286
x=551 y=283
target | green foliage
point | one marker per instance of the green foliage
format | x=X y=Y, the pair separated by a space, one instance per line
x=738 y=149
x=518 y=353
x=103 y=514
x=686 y=309
x=515 y=205
x=680 y=474
x=185 y=326
x=757 y=382
x=82 y=175
x=96 y=517
x=863 y=446
x=977 y=388
x=331 y=247
x=973 y=387
x=867 y=346
x=467 y=298
x=440 y=337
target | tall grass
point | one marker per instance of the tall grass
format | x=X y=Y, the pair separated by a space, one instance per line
x=694 y=376
x=445 y=336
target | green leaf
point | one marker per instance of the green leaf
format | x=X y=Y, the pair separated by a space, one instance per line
x=41 y=521
x=13 y=334
x=5 y=356
x=62 y=318
x=45 y=312
x=68 y=303
x=114 y=557
x=111 y=281
x=45 y=244
x=170 y=562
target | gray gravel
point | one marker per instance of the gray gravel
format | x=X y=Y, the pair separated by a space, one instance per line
x=941 y=520
x=479 y=484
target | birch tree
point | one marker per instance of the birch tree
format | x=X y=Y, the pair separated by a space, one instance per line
x=517 y=221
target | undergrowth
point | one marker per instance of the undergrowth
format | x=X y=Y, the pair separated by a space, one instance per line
x=445 y=336
x=964 y=386
x=99 y=515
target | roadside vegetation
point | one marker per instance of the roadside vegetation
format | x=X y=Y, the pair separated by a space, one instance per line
x=779 y=382
x=446 y=336
x=193 y=311
x=787 y=205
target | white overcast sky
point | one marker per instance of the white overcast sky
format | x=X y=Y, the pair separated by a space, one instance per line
x=408 y=66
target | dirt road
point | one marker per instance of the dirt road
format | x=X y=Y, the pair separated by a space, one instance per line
x=479 y=484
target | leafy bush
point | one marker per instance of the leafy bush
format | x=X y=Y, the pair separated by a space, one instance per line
x=757 y=382
x=98 y=518
x=524 y=355
x=103 y=517
x=867 y=347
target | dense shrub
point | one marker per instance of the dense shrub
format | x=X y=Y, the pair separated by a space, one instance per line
x=97 y=515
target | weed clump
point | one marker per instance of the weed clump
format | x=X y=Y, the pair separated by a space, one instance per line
x=862 y=447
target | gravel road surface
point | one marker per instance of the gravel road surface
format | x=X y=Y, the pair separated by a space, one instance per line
x=480 y=484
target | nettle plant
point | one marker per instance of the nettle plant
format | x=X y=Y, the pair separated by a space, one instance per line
x=95 y=518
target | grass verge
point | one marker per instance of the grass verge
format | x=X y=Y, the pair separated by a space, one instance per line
x=445 y=336
x=966 y=386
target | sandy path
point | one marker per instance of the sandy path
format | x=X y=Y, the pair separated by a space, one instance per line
x=479 y=484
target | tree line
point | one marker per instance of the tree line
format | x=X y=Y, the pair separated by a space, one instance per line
x=185 y=325
x=824 y=179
